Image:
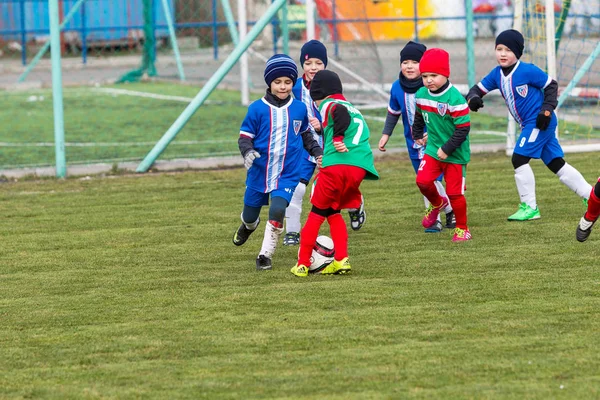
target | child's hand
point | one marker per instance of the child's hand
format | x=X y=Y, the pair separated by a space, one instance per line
x=422 y=142
x=475 y=103
x=383 y=141
x=320 y=162
x=543 y=120
x=314 y=123
x=340 y=147
x=249 y=158
x=441 y=155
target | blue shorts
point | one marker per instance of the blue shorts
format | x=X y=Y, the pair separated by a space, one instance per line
x=254 y=198
x=539 y=144
x=307 y=169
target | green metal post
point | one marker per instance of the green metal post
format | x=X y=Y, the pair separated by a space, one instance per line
x=148 y=52
x=579 y=74
x=230 y=21
x=561 y=23
x=285 y=29
x=57 y=94
x=174 y=44
x=46 y=45
x=209 y=87
x=470 y=43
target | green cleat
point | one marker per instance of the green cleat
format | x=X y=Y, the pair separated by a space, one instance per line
x=525 y=213
x=337 y=267
x=300 y=270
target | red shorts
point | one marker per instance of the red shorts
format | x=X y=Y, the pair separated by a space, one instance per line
x=337 y=187
x=454 y=174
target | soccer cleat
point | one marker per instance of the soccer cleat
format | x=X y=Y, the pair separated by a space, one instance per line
x=525 y=213
x=337 y=267
x=461 y=235
x=291 y=239
x=584 y=228
x=431 y=214
x=357 y=217
x=435 y=228
x=242 y=234
x=263 y=263
x=450 y=220
x=300 y=270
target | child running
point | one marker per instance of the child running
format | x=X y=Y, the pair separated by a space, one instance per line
x=443 y=110
x=531 y=97
x=347 y=160
x=272 y=137
x=403 y=103
x=584 y=228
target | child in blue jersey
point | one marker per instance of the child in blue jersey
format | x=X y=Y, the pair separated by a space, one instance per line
x=272 y=140
x=531 y=97
x=313 y=58
x=403 y=103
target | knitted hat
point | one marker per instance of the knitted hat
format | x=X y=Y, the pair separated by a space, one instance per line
x=436 y=61
x=513 y=40
x=325 y=83
x=412 y=51
x=278 y=66
x=313 y=49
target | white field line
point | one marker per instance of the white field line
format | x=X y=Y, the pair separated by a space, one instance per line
x=493 y=133
x=135 y=93
x=109 y=144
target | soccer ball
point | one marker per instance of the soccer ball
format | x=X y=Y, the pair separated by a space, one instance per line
x=322 y=254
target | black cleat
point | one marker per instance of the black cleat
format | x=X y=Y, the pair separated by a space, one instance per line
x=263 y=263
x=450 y=220
x=242 y=234
x=584 y=228
x=291 y=239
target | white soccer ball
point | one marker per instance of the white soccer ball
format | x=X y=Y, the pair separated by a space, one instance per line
x=322 y=254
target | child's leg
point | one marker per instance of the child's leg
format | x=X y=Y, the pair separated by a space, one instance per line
x=274 y=227
x=253 y=202
x=570 y=177
x=524 y=179
x=250 y=217
x=339 y=235
x=455 y=184
x=308 y=236
x=428 y=172
x=593 y=210
x=294 y=210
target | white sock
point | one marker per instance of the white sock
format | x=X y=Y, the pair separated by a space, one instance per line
x=427 y=203
x=270 y=240
x=569 y=176
x=442 y=192
x=250 y=225
x=525 y=181
x=294 y=209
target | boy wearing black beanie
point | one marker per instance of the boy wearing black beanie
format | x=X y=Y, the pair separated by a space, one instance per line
x=531 y=97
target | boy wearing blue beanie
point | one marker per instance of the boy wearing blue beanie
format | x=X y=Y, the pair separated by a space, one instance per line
x=531 y=97
x=273 y=139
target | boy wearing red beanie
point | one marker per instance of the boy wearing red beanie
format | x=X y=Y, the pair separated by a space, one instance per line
x=443 y=110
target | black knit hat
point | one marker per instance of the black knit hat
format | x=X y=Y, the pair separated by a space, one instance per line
x=313 y=49
x=513 y=40
x=412 y=51
x=325 y=83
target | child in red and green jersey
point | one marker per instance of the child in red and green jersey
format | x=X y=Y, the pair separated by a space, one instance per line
x=347 y=161
x=445 y=112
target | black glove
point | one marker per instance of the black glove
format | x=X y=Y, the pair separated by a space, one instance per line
x=543 y=120
x=475 y=103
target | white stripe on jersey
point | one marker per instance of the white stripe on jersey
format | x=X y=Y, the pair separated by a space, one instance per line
x=509 y=96
x=277 y=146
x=410 y=103
x=249 y=134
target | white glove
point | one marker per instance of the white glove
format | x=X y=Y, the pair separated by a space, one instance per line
x=249 y=158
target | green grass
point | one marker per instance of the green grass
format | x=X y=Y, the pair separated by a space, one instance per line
x=129 y=287
x=101 y=127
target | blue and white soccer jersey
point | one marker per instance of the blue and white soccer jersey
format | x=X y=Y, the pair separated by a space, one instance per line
x=276 y=135
x=302 y=93
x=404 y=104
x=523 y=92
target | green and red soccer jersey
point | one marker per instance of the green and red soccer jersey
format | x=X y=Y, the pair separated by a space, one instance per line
x=443 y=114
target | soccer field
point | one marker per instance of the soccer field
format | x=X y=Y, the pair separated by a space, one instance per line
x=129 y=287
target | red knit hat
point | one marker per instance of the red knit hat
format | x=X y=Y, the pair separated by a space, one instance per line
x=435 y=61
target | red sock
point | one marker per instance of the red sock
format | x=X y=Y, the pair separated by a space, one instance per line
x=308 y=237
x=431 y=193
x=339 y=235
x=459 y=205
x=593 y=209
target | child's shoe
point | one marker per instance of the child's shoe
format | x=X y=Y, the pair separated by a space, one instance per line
x=461 y=235
x=584 y=228
x=450 y=220
x=357 y=217
x=431 y=214
x=525 y=213
x=436 y=228
x=300 y=270
x=337 y=267
x=263 y=263
x=242 y=234
x=291 y=239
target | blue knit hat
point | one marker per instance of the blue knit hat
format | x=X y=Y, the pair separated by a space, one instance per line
x=313 y=49
x=512 y=39
x=278 y=66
